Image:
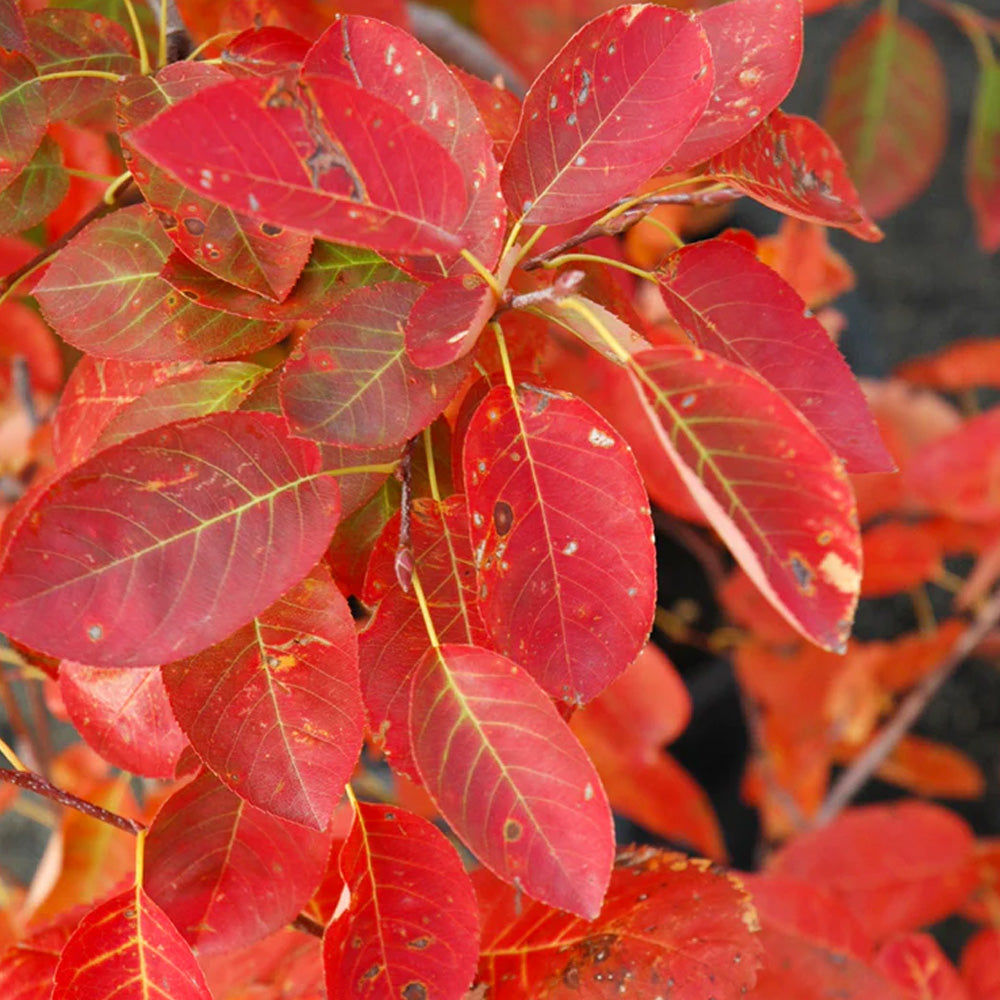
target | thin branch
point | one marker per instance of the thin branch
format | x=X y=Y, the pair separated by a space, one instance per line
x=885 y=741
x=178 y=42
x=308 y=926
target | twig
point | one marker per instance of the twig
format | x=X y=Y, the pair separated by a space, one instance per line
x=21 y=385
x=308 y=926
x=885 y=741
x=178 y=40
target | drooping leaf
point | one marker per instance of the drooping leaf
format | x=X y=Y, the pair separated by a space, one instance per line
x=236 y=248
x=36 y=190
x=24 y=113
x=326 y=158
x=793 y=528
x=668 y=922
x=27 y=967
x=607 y=112
x=790 y=164
x=103 y=293
x=982 y=158
x=896 y=867
x=228 y=874
x=125 y=716
x=213 y=495
x=759 y=321
x=756 y=51
x=446 y=320
x=563 y=540
x=887 y=110
x=275 y=709
x=918 y=966
x=395 y=639
x=68 y=41
x=350 y=382
x=387 y=62
x=411 y=926
x=510 y=778
x=590 y=321
x=127 y=948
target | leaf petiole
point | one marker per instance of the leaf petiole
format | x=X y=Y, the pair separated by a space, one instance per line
x=418 y=592
x=140 y=41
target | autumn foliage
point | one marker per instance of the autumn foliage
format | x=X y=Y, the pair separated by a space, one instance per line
x=338 y=532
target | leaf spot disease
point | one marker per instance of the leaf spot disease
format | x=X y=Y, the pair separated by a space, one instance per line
x=588 y=792
x=95 y=633
x=599 y=439
x=420 y=943
x=571 y=548
x=839 y=574
x=802 y=573
x=414 y=991
x=503 y=517
x=512 y=831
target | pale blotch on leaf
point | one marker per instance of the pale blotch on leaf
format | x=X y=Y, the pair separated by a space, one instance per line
x=840 y=574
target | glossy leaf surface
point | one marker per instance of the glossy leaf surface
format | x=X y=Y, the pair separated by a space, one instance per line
x=326 y=159
x=666 y=919
x=510 y=778
x=228 y=874
x=213 y=495
x=756 y=51
x=350 y=382
x=607 y=112
x=275 y=709
x=793 y=529
x=104 y=294
x=887 y=109
x=760 y=322
x=24 y=112
x=127 y=948
x=411 y=927
x=560 y=525
x=789 y=163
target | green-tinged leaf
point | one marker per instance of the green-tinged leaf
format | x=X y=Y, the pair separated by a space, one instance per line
x=13 y=35
x=160 y=546
x=766 y=481
x=23 y=112
x=128 y=949
x=235 y=248
x=510 y=778
x=350 y=382
x=590 y=321
x=275 y=709
x=887 y=109
x=36 y=191
x=103 y=293
x=982 y=158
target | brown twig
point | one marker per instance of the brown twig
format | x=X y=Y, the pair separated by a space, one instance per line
x=37 y=784
x=885 y=741
x=308 y=926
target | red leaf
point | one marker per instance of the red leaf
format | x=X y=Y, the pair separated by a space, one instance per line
x=792 y=165
x=510 y=778
x=83 y=149
x=27 y=968
x=756 y=51
x=275 y=709
x=327 y=159
x=213 y=495
x=887 y=109
x=981 y=965
x=916 y=964
x=125 y=716
x=445 y=322
x=228 y=874
x=563 y=539
x=25 y=115
x=13 y=35
x=793 y=528
x=350 y=382
x=760 y=322
x=36 y=191
x=395 y=638
x=982 y=158
x=607 y=112
x=103 y=293
x=896 y=867
x=389 y=63
x=668 y=922
x=498 y=108
x=25 y=335
x=234 y=247
x=128 y=948
x=265 y=50
x=411 y=928
x=899 y=556
x=963 y=364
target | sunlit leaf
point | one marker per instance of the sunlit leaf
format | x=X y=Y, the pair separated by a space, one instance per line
x=982 y=158
x=887 y=109
x=896 y=867
x=607 y=112
x=236 y=248
x=127 y=948
x=125 y=716
x=213 y=494
x=498 y=108
x=668 y=922
x=326 y=158
x=226 y=873
x=24 y=113
x=411 y=928
x=917 y=965
x=767 y=483
x=349 y=381
x=275 y=709
x=265 y=50
x=789 y=163
x=103 y=293
x=560 y=525
x=36 y=190
x=899 y=556
x=756 y=51
x=590 y=321
x=760 y=322
x=933 y=769
x=510 y=778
